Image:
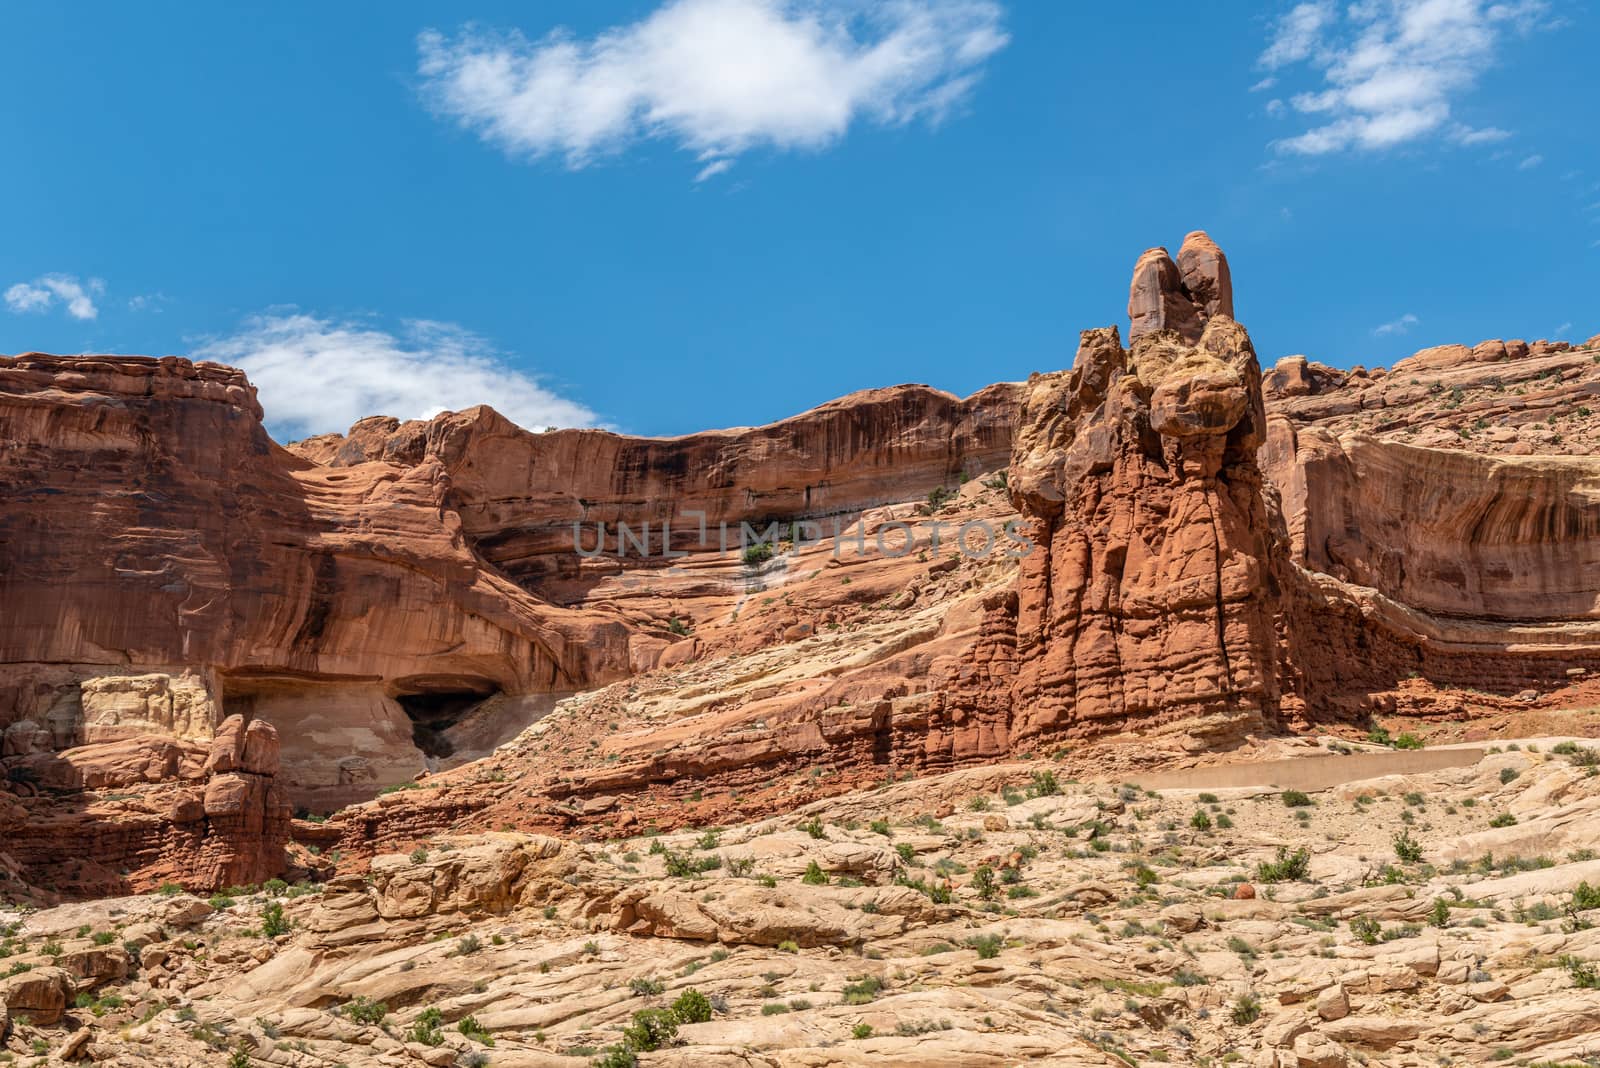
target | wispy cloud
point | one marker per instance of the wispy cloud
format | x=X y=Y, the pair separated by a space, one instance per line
x=1562 y=329
x=316 y=375
x=1390 y=70
x=148 y=302
x=717 y=78
x=1530 y=162
x=49 y=290
x=1401 y=325
x=1486 y=135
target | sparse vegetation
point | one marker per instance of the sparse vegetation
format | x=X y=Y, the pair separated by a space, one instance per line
x=1287 y=867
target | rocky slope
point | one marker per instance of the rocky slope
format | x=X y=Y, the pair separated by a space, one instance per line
x=1400 y=908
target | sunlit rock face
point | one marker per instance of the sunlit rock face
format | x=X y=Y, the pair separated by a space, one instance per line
x=1149 y=603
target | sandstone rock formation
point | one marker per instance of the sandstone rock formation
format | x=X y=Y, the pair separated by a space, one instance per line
x=1150 y=600
x=1214 y=554
x=520 y=495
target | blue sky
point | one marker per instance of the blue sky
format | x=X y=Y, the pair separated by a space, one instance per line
x=674 y=216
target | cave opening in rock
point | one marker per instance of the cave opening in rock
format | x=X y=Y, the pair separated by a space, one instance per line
x=433 y=714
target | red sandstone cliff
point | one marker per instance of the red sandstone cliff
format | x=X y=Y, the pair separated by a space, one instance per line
x=1215 y=554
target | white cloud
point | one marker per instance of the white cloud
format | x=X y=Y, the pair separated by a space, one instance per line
x=150 y=302
x=715 y=77
x=1530 y=163
x=1264 y=84
x=1299 y=33
x=317 y=375
x=1487 y=135
x=1401 y=325
x=1562 y=329
x=45 y=292
x=1390 y=70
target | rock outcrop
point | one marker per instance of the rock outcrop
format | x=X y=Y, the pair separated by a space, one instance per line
x=1149 y=601
x=1210 y=553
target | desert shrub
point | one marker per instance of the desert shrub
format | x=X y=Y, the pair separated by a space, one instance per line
x=987 y=945
x=650 y=1030
x=863 y=990
x=1043 y=784
x=273 y=922
x=692 y=1006
x=1584 y=974
x=363 y=1011
x=1407 y=848
x=616 y=1057
x=425 y=1029
x=1288 y=867
x=983 y=882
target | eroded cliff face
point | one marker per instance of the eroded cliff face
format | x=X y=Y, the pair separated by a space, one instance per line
x=523 y=498
x=164 y=565
x=1213 y=556
x=151 y=524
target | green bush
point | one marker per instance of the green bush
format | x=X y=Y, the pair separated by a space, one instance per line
x=650 y=1030
x=757 y=554
x=1408 y=741
x=1366 y=929
x=471 y=1028
x=988 y=945
x=1407 y=848
x=1296 y=799
x=1246 y=1010
x=363 y=1011
x=1505 y=819
x=1584 y=975
x=1200 y=821
x=692 y=1006
x=1288 y=867
x=273 y=922
x=814 y=875
x=863 y=990
x=425 y=1029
